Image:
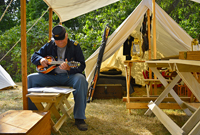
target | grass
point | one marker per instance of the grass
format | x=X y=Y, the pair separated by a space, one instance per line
x=104 y=117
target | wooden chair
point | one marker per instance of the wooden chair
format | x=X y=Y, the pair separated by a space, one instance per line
x=182 y=90
x=56 y=102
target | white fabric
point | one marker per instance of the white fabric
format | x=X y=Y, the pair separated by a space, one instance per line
x=171 y=38
x=196 y=1
x=68 y=9
x=5 y=79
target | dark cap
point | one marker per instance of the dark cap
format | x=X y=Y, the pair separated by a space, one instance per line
x=58 y=32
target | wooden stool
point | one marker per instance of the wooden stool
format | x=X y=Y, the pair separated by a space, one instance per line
x=27 y=122
x=55 y=102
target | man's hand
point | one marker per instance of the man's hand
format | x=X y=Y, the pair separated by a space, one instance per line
x=44 y=62
x=64 y=65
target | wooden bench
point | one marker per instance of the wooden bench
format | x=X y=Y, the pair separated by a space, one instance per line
x=27 y=122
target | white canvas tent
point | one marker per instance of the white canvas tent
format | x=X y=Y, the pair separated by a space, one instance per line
x=5 y=79
x=170 y=39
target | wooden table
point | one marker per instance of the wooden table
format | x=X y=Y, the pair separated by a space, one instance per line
x=54 y=102
x=27 y=122
x=184 y=69
x=144 y=105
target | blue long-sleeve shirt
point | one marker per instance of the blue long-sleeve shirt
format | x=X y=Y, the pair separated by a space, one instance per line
x=73 y=53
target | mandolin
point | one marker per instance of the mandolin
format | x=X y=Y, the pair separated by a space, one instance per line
x=53 y=64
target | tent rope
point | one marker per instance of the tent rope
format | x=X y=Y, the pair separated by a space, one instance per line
x=26 y=32
x=6 y=10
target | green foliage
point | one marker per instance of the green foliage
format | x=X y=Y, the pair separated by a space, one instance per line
x=36 y=38
x=35 y=9
x=11 y=17
x=186 y=14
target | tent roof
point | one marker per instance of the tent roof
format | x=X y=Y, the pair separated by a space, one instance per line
x=171 y=38
x=68 y=9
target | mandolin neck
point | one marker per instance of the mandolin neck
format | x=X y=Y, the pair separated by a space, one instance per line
x=57 y=62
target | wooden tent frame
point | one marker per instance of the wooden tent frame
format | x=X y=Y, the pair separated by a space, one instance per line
x=24 y=50
x=24 y=45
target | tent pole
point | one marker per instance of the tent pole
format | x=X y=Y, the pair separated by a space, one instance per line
x=24 y=54
x=50 y=23
x=154 y=29
x=149 y=32
x=154 y=40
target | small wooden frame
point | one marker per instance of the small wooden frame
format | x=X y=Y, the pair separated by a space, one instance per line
x=26 y=122
x=55 y=102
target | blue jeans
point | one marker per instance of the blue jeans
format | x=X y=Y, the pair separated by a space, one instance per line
x=77 y=81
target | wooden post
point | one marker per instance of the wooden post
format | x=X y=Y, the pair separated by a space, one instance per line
x=154 y=40
x=154 y=29
x=149 y=32
x=24 y=54
x=50 y=23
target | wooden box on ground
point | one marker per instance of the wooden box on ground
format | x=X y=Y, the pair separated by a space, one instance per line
x=108 y=91
x=189 y=55
x=25 y=122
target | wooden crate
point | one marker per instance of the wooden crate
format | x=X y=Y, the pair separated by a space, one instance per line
x=189 y=55
x=25 y=122
x=108 y=91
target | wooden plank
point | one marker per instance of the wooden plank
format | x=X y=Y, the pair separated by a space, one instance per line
x=192 y=121
x=189 y=106
x=60 y=122
x=145 y=106
x=43 y=94
x=191 y=82
x=43 y=99
x=195 y=130
x=186 y=62
x=187 y=68
x=189 y=55
x=158 y=64
x=195 y=105
x=166 y=99
x=171 y=126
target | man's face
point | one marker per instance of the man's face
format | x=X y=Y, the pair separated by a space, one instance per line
x=62 y=43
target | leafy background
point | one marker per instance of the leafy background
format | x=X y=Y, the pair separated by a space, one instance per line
x=86 y=29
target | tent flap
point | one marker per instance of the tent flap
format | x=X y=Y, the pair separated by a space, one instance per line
x=68 y=9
